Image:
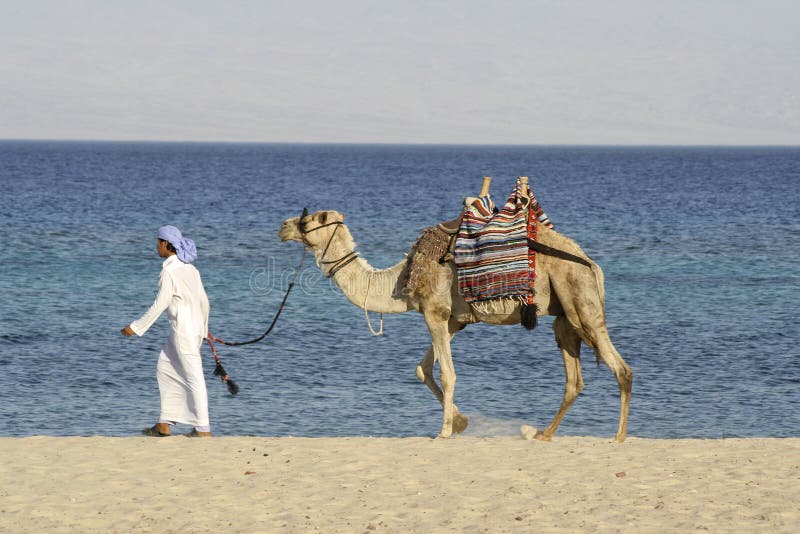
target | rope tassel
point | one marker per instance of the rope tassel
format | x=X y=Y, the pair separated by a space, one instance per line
x=220 y=371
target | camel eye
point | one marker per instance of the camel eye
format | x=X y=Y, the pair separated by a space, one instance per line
x=323 y=218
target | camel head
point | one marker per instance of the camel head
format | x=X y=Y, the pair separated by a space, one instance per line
x=314 y=230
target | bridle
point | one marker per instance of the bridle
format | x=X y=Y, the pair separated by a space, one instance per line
x=335 y=265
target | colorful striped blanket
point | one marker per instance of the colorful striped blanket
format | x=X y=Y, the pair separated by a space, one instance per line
x=492 y=256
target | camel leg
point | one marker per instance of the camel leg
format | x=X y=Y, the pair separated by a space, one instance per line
x=425 y=375
x=438 y=326
x=605 y=349
x=570 y=344
x=587 y=316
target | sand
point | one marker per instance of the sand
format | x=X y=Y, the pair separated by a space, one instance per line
x=466 y=484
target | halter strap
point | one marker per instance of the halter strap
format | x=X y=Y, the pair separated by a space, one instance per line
x=337 y=265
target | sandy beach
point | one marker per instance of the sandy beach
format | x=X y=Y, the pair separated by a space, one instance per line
x=467 y=484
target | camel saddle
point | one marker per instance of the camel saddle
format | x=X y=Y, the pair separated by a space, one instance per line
x=451 y=227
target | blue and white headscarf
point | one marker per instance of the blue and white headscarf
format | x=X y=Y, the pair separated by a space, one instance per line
x=184 y=247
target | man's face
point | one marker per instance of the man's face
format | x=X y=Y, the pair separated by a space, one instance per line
x=163 y=251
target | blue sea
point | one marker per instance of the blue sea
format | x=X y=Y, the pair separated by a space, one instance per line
x=700 y=247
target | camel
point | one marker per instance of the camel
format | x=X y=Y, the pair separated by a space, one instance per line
x=572 y=292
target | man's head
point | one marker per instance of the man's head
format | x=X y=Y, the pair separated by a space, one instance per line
x=175 y=243
x=165 y=248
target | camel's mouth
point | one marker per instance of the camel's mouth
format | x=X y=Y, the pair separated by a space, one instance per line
x=289 y=231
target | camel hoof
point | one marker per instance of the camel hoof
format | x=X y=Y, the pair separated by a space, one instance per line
x=420 y=373
x=446 y=431
x=541 y=436
x=528 y=432
x=460 y=423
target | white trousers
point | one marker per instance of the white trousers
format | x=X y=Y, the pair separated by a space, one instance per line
x=182 y=387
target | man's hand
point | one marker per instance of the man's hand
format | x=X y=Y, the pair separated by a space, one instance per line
x=127 y=331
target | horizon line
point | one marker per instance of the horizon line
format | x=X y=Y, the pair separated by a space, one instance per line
x=401 y=143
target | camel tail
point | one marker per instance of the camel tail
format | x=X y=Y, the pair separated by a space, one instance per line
x=601 y=288
x=601 y=294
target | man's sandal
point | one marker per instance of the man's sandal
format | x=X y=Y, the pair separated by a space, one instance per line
x=154 y=432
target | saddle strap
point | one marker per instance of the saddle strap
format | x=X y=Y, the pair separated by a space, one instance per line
x=550 y=251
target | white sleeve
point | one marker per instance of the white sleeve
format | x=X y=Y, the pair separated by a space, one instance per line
x=206 y=307
x=166 y=290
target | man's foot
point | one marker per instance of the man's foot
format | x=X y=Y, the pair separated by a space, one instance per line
x=158 y=430
x=195 y=434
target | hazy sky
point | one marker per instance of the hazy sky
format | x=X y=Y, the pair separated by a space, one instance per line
x=522 y=72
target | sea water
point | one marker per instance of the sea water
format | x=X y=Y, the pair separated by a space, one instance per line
x=699 y=247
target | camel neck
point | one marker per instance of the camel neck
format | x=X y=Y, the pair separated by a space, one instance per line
x=362 y=284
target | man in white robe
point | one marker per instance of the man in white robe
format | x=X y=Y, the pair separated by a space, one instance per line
x=181 y=382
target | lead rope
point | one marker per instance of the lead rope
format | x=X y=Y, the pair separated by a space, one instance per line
x=366 y=311
x=219 y=370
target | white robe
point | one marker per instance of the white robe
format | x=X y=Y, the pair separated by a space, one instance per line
x=179 y=370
